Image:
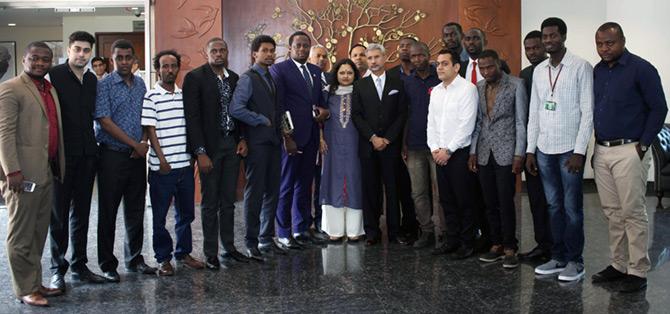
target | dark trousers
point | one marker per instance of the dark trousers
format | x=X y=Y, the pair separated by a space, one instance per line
x=456 y=185
x=71 y=209
x=377 y=170
x=261 y=193
x=218 y=197
x=539 y=210
x=498 y=184
x=316 y=218
x=297 y=173
x=177 y=185
x=408 y=223
x=120 y=177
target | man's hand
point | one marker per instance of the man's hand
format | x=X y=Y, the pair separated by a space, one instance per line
x=531 y=164
x=404 y=152
x=242 y=148
x=379 y=143
x=323 y=114
x=204 y=164
x=575 y=163
x=472 y=163
x=517 y=164
x=15 y=182
x=640 y=153
x=290 y=146
x=442 y=157
x=140 y=150
x=323 y=146
x=165 y=167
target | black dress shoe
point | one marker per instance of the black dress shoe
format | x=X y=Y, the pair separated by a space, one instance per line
x=212 y=263
x=371 y=242
x=86 y=275
x=272 y=248
x=111 y=276
x=406 y=239
x=143 y=268
x=290 y=244
x=236 y=256
x=536 y=254
x=633 y=283
x=319 y=235
x=444 y=249
x=609 y=274
x=462 y=253
x=255 y=254
x=58 y=282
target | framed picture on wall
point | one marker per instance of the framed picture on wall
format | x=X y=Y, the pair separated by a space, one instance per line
x=7 y=60
x=58 y=50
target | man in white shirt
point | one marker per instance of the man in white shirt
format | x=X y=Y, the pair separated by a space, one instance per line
x=560 y=124
x=452 y=114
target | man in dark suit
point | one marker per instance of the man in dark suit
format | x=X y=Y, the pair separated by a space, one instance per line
x=474 y=41
x=379 y=111
x=299 y=92
x=255 y=104
x=213 y=135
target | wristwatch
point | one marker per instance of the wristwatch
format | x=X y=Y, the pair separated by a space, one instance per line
x=200 y=151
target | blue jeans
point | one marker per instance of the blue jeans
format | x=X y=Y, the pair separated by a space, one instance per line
x=178 y=185
x=563 y=191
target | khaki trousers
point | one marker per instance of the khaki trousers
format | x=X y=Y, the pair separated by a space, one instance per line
x=621 y=178
x=421 y=168
x=29 y=216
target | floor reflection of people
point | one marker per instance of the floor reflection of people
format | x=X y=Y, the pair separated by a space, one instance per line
x=342 y=258
x=659 y=252
x=628 y=302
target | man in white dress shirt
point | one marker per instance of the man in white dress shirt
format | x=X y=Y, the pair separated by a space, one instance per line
x=452 y=114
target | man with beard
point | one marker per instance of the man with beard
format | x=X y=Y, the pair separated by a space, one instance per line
x=76 y=89
x=170 y=165
x=452 y=36
x=475 y=42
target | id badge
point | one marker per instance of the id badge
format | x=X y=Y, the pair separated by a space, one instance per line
x=550 y=105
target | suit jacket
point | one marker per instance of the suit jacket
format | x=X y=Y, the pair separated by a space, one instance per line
x=503 y=133
x=384 y=118
x=202 y=108
x=24 y=131
x=294 y=95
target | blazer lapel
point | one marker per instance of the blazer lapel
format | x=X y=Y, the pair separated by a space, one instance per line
x=503 y=90
x=297 y=73
x=33 y=90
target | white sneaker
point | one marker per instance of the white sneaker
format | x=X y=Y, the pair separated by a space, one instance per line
x=551 y=267
x=573 y=272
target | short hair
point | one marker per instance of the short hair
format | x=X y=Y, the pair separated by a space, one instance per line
x=37 y=44
x=170 y=52
x=455 y=58
x=215 y=40
x=333 y=84
x=356 y=45
x=374 y=46
x=554 y=21
x=123 y=44
x=408 y=37
x=81 y=36
x=316 y=47
x=609 y=25
x=422 y=46
x=298 y=33
x=533 y=34
x=95 y=59
x=456 y=25
x=481 y=31
x=259 y=40
x=490 y=53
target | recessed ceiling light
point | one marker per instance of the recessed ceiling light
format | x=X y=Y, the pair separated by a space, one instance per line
x=134 y=8
x=11 y=24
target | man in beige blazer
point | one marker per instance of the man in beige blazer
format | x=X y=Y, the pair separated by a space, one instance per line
x=31 y=149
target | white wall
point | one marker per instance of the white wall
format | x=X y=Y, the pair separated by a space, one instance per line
x=98 y=24
x=641 y=20
x=25 y=35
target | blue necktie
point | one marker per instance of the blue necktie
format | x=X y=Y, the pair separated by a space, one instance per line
x=305 y=75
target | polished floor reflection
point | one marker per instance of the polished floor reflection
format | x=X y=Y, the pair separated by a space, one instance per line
x=352 y=278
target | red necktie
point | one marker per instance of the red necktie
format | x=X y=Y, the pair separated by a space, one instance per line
x=473 y=77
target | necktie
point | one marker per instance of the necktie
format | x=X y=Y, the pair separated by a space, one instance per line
x=378 y=84
x=473 y=77
x=268 y=78
x=305 y=75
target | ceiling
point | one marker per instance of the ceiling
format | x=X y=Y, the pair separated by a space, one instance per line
x=42 y=13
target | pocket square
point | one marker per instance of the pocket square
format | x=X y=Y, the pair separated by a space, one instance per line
x=393 y=92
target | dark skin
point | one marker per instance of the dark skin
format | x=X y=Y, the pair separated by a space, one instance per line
x=123 y=62
x=611 y=44
x=490 y=69
x=404 y=55
x=534 y=49
x=474 y=42
x=554 y=43
x=421 y=61
x=36 y=63
x=452 y=38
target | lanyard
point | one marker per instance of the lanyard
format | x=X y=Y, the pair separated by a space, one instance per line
x=553 y=84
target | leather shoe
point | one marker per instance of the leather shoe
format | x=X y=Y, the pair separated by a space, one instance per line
x=462 y=253
x=633 y=283
x=58 y=282
x=536 y=254
x=50 y=292
x=255 y=254
x=212 y=263
x=34 y=299
x=236 y=256
x=143 y=268
x=290 y=243
x=608 y=274
x=406 y=239
x=190 y=262
x=372 y=241
x=272 y=247
x=86 y=275
x=111 y=276
x=444 y=249
x=165 y=269
x=319 y=235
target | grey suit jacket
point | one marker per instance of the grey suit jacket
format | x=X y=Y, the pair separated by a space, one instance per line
x=503 y=132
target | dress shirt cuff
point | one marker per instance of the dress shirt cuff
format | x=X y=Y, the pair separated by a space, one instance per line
x=580 y=150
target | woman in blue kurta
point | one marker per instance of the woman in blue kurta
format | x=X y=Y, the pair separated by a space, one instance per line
x=341 y=189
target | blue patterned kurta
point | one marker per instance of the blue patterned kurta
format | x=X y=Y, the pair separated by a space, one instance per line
x=123 y=104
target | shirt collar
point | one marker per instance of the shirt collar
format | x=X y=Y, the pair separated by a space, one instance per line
x=624 y=59
x=225 y=74
x=568 y=59
x=457 y=81
x=432 y=71
x=374 y=77
x=259 y=69
x=298 y=64
x=116 y=78
x=162 y=90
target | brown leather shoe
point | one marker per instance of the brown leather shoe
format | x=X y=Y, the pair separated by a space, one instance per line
x=165 y=269
x=50 y=292
x=191 y=262
x=34 y=299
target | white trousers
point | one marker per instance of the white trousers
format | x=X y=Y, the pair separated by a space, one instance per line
x=342 y=221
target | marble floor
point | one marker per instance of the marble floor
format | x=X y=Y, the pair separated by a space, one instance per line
x=354 y=278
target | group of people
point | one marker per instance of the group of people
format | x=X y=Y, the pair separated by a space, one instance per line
x=436 y=145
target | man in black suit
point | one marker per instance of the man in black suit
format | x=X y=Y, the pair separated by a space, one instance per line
x=474 y=41
x=213 y=135
x=379 y=111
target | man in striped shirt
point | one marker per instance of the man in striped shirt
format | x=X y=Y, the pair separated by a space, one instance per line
x=170 y=165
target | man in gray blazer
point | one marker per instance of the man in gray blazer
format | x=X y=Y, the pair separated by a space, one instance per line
x=496 y=153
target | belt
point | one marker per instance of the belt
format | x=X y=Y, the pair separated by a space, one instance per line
x=617 y=142
x=116 y=149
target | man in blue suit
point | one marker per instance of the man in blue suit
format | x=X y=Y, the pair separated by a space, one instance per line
x=299 y=92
